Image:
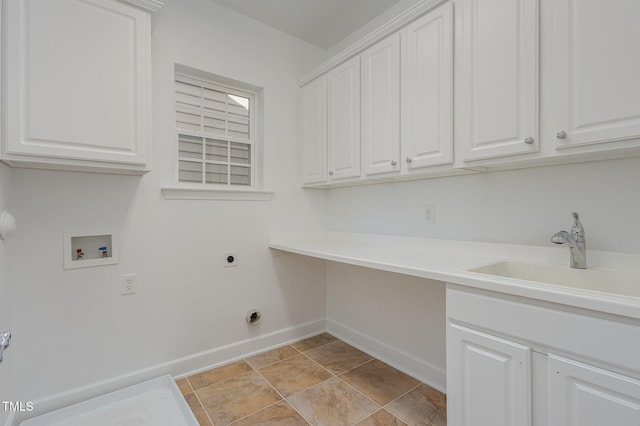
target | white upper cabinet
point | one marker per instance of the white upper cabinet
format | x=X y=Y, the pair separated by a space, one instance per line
x=596 y=65
x=343 y=113
x=498 y=86
x=426 y=113
x=381 y=106
x=313 y=101
x=331 y=125
x=77 y=92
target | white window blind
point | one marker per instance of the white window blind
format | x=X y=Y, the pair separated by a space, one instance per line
x=215 y=133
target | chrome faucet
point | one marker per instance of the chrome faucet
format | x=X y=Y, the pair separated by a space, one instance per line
x=576 y=242
x=5 y=341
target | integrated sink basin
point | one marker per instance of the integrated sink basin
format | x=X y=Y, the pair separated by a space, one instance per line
x=625 y=283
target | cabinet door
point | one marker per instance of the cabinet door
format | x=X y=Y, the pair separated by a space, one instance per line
x=344 y=120
x=314 y=131
x=427 y=90
x=381 y=106
x=597 y=64
x=498 y=77
x=583 y=395
x=488 y=379
x=77 y=75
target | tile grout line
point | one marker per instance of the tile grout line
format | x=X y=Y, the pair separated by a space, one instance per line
x=274 y=362
x=199 y=402
x=380 y=407
x=283 y=398
x=269 y=383
x=286 y=399
x=402 y=395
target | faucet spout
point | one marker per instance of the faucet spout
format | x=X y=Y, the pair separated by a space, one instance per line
x=563 y=237
x=576 y=243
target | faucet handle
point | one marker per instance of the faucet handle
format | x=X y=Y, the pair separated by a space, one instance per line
x=577 y=230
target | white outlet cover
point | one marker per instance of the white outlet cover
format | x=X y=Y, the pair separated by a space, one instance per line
x=129 y=284
x=429 y=213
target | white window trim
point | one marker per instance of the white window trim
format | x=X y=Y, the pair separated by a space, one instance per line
x=202 y=191
x=207 y=192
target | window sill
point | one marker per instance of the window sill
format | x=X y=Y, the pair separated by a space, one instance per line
x=204 y=193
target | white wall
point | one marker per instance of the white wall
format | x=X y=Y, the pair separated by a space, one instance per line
x=5 y=293
x=73 y=329
x=520 y=206
x=397 y=318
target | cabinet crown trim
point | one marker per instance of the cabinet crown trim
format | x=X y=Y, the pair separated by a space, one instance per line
x=150 y=5
x=388 y=28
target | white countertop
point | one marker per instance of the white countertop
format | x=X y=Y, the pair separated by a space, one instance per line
x=450 y=261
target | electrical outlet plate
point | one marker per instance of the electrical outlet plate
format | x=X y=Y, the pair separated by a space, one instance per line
x=230 y=258
x=429 y=213
x=129 y=284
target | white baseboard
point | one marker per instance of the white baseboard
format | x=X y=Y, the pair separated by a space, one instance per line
x=178 y=368
x=430 y=374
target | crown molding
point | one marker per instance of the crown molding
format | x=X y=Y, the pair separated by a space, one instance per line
x=390 y=27
x=150 y=5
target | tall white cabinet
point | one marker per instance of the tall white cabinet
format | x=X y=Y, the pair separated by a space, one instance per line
x=381 y=106
x=77 y=84
x=596 y=68
x=343 y=120
x=427 y=90
x=498 y=84
x=313 y=123
x=330 y=110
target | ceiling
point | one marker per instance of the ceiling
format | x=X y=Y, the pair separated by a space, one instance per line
x=319 y=22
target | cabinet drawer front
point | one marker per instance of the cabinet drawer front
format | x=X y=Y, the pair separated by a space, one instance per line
x=601 y=339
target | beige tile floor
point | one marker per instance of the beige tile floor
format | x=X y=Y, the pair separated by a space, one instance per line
x=318 y=381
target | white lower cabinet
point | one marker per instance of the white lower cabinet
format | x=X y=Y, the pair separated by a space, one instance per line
x=584 y=395
x=491 y=378
x=517 y=362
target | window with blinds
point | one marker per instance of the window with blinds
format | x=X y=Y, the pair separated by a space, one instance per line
x=216 y=138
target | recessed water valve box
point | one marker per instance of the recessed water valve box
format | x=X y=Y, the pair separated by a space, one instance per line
x=87 y=249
